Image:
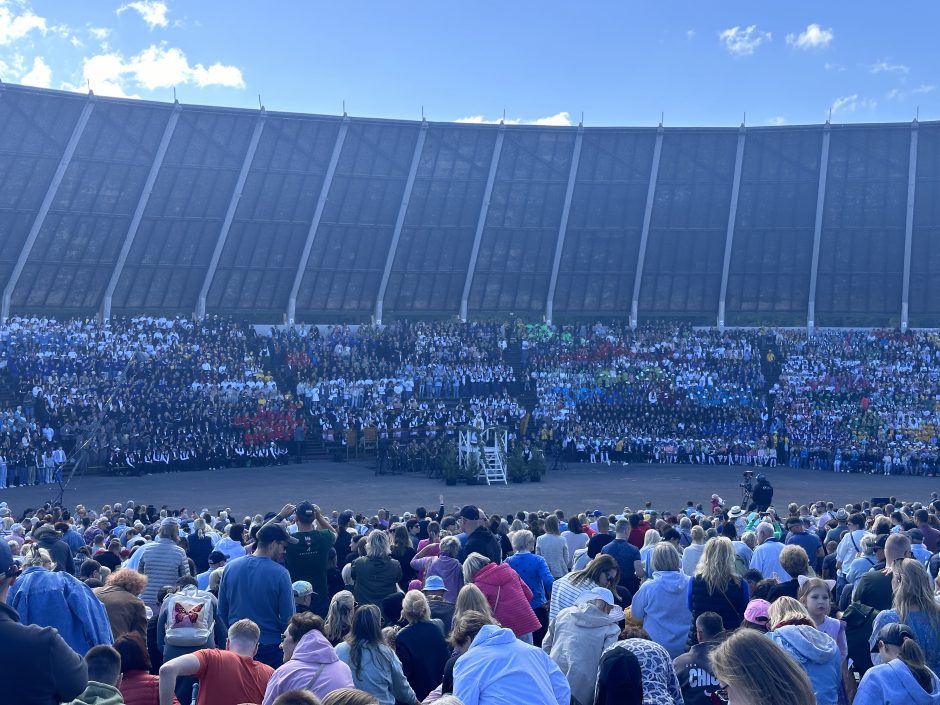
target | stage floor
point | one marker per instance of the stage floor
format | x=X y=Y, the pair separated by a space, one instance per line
x=353 y=485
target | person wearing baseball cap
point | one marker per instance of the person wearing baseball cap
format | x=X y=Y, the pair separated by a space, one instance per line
x=478 y=538
x=217 y=561
x=307 y=558
x=26 y=650
x=903 y=675
x=258 y=588
x=303 y=596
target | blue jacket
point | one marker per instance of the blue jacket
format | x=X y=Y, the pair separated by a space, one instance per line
x=257 y=588
x=819 y=656
x=893 y=683
x=534 y=572
x=663 y=605
x=498 y=669
x=62 y=601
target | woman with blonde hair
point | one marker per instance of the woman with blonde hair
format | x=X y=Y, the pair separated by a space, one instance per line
x=339 y=617
x=471 y=599
x=716 y=587
x=507 y=594
x=753 y=670
x=663 y=602
x=421 y=646
x=375 y=576
x=816 y=652
x=693 y=552
x=445 y=565
x=915 y=605
x=553 y=548
x=650 y=539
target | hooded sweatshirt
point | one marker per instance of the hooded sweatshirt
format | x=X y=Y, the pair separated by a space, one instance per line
x=893 y=683
x=499 y=669
x=314 y=666
x=508 y=596
x=99 y=694
x=663 y=605
x=819 y=656
x=448 y=568
x=575 y=640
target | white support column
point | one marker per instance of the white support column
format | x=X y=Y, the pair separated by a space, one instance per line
x=230 y=215
x=909 y=227
x=400 y=221
x=481 y=221
x=729 y=233
x=817 y=230
x=315 y=223
x=645 y=232
x=139 y=211
x=46 y=205
x=563 y=225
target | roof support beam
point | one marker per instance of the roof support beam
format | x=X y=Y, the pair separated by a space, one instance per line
x=139 y=211
x=46 y=205
x=645 y=232
x=230 y=215
x=315 y=223
x=817 y=229
x=909 y=227
x=400 y=221
x=563 y=225
x=481 y=221
x=729 y=233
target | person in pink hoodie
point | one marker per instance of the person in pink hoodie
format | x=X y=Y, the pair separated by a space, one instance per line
x=506 y=592
x=310 y=663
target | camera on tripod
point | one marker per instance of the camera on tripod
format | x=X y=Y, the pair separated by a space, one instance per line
x=747 y=488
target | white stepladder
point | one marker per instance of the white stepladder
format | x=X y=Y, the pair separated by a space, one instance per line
x=485 y=449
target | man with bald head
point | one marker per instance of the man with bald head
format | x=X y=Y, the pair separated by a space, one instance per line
x=874 y=587
x=766 y=556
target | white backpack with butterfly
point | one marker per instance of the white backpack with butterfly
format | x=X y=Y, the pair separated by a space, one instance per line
x=189 y=617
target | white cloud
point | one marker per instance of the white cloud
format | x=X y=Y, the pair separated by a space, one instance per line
x=14 y=27
x=813 y=37
x=562 y=119
x=153 y=12
x=887 y=67
x=922 y=89
x=851 y=104
x=690 y=34
x=743 y=42
x=155 y=67
x=40 y=75
x=777 y=120
x=99 y=33
x=833 y=67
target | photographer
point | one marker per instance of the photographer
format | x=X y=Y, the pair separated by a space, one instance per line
x=762 y=495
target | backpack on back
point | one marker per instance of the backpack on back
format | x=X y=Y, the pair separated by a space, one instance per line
x=189 y=618
x=859 y=620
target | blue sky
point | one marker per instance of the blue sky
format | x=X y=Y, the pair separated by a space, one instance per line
x=620 y=63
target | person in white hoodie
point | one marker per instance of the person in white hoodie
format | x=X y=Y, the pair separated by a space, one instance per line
x=903 y=677
x=815 y=651
x=663 y=604
x=577 y=637
x=497 y=668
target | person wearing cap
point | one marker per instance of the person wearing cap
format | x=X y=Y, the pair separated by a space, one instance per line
x=919 y=551
x=26 y=650
x=902 y=676
x=842 y=525
x=306 y=560
x=48 y=538
x=303 y=596
x=693 y=669
x=807 y=540
x=216 y=561
x=163 y=561
x=479 y=539
x=258 y=587
x=578 y=636
x=435 y=590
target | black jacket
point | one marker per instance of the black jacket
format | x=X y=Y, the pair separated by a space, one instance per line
x=423 y=652
x=60 y=553
x=37 y=667
x=730 y=604
x=483 y=541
